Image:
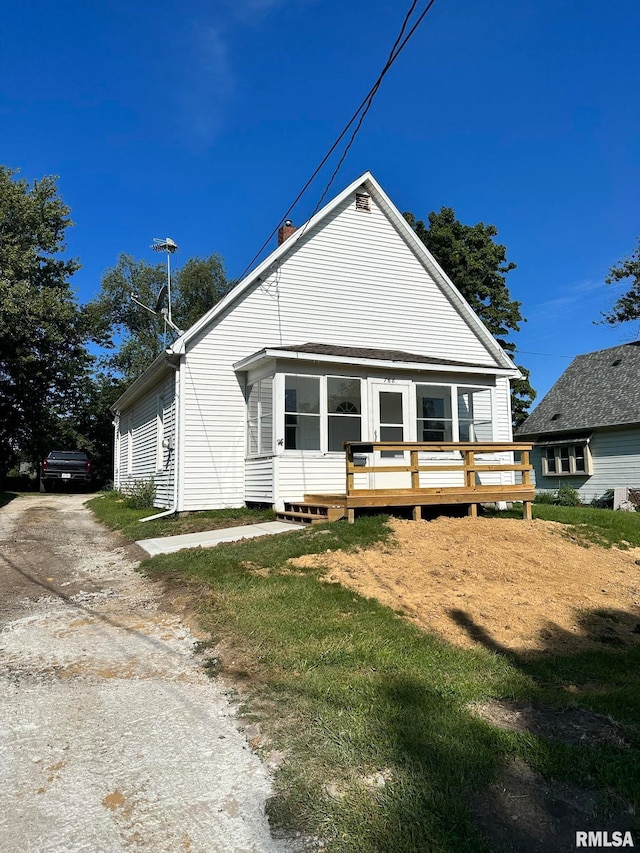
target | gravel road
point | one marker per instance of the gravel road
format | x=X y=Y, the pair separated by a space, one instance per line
x=111 y=736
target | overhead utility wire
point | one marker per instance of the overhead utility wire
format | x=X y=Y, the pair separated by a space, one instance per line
x=365 y=104
x=369 y=100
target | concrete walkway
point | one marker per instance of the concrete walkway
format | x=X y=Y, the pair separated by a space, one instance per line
x=209 y=538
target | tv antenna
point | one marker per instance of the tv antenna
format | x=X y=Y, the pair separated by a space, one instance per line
x=167 y=245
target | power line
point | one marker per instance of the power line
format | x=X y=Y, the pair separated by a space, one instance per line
x=398 y=47
x=369 y=100
x=549 y=354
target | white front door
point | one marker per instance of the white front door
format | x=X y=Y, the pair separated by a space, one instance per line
x=391 y=422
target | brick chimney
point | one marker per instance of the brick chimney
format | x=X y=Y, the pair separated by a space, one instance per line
x=285 y=231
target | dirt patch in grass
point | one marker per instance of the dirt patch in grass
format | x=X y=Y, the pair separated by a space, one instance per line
x=512 y=586
x=575 y=726
x=523 y=812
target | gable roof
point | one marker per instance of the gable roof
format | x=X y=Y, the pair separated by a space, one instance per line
x=368 y=183
x=598 y=389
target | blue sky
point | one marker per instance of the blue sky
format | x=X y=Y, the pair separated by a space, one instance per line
x=202 y=121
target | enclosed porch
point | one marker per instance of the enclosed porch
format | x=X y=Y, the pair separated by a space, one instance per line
x=379 y=423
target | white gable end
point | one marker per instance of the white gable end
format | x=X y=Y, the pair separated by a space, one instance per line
x=352 y=280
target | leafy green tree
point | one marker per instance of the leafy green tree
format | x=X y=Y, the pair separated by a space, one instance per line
x=201 y=283
x=478 y=267
x=133 y=336
x=44 y=363
x=627 y=307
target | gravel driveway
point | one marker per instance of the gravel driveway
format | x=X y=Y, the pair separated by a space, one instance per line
x=111 y=736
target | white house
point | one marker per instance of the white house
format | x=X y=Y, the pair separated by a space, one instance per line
x=587 y=428
x=348 y=331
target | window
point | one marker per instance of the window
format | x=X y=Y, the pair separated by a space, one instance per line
x=260 y=418
x=434 y=413
x=344 y=411
x=565 y=459
x=302 y=413
x=474 y=414
x=130 y=444
x=159 y=433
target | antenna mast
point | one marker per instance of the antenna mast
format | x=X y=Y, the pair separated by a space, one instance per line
x=167 y=245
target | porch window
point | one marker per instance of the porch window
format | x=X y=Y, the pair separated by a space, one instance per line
x=474 y=414
x=344 y=409
x=566 y=459
x=302 y=413
x=434 y=413
x=260 y=418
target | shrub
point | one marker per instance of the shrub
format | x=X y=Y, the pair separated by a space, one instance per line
x=564 y=496
x=141 y=495
x=545 y=497
x=567 y=496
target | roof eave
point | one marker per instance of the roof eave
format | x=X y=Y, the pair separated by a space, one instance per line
x=165 y=361
x=271 y=354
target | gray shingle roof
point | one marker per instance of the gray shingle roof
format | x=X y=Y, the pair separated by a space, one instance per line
x=379 y=354
x=598 y=389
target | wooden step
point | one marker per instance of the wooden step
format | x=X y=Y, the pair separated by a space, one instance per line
x=304 y=517
x=310 y=513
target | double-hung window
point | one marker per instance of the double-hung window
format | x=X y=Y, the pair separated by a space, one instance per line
x=344 y=411
x=302 y=413
x=321 y=412
x=565 y=459
x=446 y=413
x=434 y=413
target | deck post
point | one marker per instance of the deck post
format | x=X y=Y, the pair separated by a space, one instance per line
x=417 y=513
x=415 y=472
x=349 y=473
x=351 y=514
x=469 y=469
x=473 y=510
x=526 y=511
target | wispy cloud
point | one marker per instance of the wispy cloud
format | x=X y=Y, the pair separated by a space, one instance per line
x=574 y=294
x=210 y=72
x=211 y=83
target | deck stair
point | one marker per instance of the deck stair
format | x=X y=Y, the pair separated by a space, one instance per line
x=311 y=513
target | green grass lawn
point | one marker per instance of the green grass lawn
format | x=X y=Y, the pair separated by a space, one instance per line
x=111 y=509
x=352 y=693
x=599 y=526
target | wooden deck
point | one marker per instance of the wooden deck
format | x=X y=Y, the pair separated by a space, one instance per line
x=463 y=458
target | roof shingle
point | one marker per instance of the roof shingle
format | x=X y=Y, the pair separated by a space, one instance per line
x=598 y=389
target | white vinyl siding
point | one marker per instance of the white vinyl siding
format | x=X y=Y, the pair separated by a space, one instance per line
x=148 y=425
x=615 y=461
x=259 y=479
x=352 y=281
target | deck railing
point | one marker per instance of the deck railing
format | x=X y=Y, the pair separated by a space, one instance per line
x=462 y=458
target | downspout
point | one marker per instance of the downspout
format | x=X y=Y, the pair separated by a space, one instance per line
x=176 y=434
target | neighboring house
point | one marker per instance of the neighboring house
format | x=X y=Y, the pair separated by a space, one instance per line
x=587 y=428
x=349 y=330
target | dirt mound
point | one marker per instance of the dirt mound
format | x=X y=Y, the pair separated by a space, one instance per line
x=510 y=585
